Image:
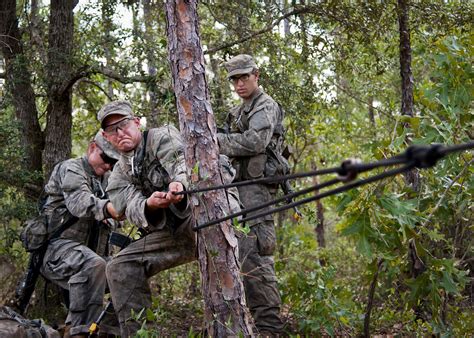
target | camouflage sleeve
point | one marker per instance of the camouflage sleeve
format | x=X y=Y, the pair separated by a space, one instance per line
x=170 y=150
x=78 y=193
x=262 y=120
x=125 y=197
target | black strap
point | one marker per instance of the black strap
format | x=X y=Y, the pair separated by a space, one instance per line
x=62 y=228
x=139 y=158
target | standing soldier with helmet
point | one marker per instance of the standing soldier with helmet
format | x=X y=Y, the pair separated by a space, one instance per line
x=255 y=135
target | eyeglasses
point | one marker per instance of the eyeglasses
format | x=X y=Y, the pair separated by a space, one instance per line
x=122 y=124
x=235 y=79
x=107 y=159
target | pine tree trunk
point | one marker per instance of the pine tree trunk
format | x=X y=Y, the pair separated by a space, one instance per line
x=225 y=310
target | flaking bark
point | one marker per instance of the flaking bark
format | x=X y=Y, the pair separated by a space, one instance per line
x=225 y=310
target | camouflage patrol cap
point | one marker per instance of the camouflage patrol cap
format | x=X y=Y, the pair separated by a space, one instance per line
x=115 y=108
x=240 y=64
x=106 y=147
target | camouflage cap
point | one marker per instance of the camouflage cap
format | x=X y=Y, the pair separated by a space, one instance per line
x=106 y=147
x=114 y=108
x=240 y=64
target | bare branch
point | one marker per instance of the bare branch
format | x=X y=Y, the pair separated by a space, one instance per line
x=95 y=85
x=110 y=73
x=268 y=28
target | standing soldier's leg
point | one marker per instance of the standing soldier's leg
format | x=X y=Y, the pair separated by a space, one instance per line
x=256 y=255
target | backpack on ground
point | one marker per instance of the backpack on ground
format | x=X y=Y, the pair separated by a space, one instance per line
x=13 y=325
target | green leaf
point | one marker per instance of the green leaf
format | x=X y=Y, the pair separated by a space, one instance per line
x=238 y=227
x=150 y=315
x=447 y=283
x=363 y=245
x=195 y=169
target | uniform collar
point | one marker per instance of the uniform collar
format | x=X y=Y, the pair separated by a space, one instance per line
x=87 y=167
x=250 y=101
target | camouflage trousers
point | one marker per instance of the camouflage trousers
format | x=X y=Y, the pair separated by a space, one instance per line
x=129 y=271
x=81 y=271
x=258 y=270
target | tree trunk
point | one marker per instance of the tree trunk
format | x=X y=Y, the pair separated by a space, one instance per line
x=37 y=29
x=370 y=299
x=108 y=8
x=225 y=310
x=412 y=177
x=59 y=69
x=371 y=113
x=19 y=85
x=319 y=229
x=152 y=88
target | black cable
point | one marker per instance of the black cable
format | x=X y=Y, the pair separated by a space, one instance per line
x=419 y=156
x=457 y=147
x=342 y=170
x=333 y=191
x=267 y=180
x=424 y=157
x=267 y=204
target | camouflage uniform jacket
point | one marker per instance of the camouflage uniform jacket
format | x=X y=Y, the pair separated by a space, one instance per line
x=253 y=126
x=74 y=190
x=147 y=169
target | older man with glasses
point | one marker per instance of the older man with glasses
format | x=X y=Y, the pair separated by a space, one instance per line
x=253 y=127
x=151 y=167
x=76 y=202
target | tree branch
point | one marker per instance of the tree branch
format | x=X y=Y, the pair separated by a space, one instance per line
x=269 y=27
x=110 y=73
x=95 y=85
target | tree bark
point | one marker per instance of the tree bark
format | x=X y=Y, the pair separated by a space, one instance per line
x=370 y=299
x=18 y=82
x=319 y=229
x=225 y=310
x=152 y=88
x=59 y=70
x=412 y=177
x=108 y=8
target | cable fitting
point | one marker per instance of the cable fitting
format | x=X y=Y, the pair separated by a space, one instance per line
x=348 y=171
x=424 y=156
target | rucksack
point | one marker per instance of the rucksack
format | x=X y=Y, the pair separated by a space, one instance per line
x=35 y=233
x=13 y=325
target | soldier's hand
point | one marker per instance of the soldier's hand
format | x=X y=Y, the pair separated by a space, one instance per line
x=158 y=200
x=174 y=187
x=113 y=213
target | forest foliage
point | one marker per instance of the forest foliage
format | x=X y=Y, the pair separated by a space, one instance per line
x=334 y=67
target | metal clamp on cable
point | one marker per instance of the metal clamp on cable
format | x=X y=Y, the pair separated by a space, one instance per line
x=348 y=171
x=424 y=156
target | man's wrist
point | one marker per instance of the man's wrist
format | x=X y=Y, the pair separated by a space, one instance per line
x=106 y=211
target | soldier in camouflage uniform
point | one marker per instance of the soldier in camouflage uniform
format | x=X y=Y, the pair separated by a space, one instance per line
x=76 y=259
x=150 y=168
x=255 y=125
